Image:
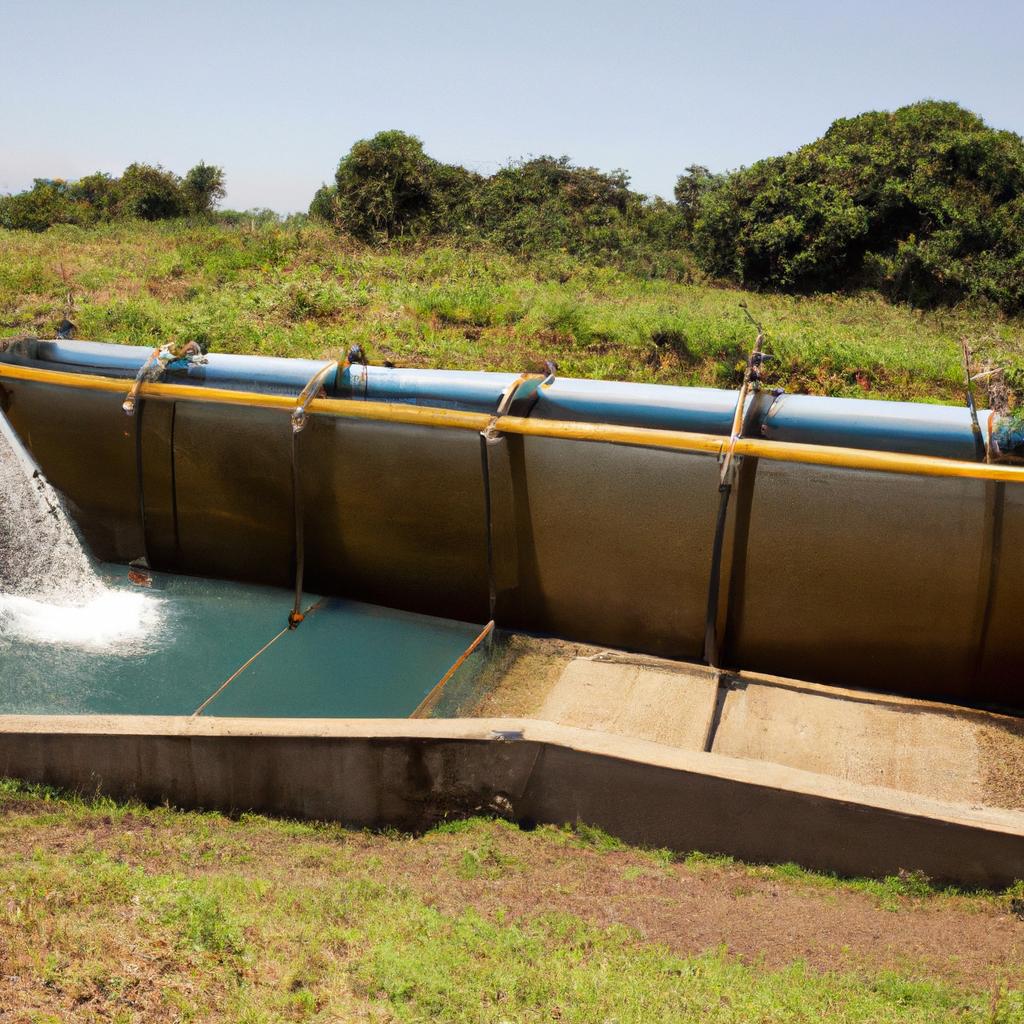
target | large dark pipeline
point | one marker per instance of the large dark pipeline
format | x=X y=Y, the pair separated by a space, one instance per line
x=863 y=543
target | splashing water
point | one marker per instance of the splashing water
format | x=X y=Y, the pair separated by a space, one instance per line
x=50 y=592
x=111 y=619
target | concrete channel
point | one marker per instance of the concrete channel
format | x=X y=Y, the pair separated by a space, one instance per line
x=440 y=507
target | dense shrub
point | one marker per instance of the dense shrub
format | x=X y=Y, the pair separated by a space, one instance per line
x=142 y=191
x=387 y=187
x=547 y=204
x=925 y=203
x=46 y=202
x=150 y=193
x=203 y=188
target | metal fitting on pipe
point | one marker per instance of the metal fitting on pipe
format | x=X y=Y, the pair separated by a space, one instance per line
x=1006 y=437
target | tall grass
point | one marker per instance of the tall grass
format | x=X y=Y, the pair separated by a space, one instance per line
x=304 y=290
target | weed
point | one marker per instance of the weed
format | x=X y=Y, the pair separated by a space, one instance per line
x=203 y=922
x=487 y=860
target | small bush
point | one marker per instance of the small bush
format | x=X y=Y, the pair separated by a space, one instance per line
x=204 y=924
x=202 y=188
x=476 y=305
x=150 y=193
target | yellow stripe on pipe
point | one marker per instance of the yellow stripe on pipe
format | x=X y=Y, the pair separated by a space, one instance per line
x=779 y=451
x=608 y=433
x=648 y=437
x=390 y=412
x=881 y=462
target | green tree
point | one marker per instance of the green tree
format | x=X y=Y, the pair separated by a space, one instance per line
x=325 y=204
x=203 y=188
x=690 y=188
x=548 y=204
x=35 y=209
x=925 y=203
x=150 y=193
x=386 y=187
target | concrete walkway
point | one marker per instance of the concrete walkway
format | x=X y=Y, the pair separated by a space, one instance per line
x=934 y=750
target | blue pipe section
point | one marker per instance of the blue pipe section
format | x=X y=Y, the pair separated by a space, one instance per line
x=909 y=427
x=97 y=356
x=265 y=373
x=468 y=390
x=658 y=406
x=702 y=410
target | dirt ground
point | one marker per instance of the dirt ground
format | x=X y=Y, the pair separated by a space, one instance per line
x=758 y=915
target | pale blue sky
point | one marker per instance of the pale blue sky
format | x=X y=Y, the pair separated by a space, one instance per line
x=276 y=92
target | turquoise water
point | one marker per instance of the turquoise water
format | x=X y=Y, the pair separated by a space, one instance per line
x=168 y=649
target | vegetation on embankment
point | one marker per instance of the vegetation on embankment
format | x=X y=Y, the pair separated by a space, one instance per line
x=924 y=204
x=114 y=911
x=306 y=290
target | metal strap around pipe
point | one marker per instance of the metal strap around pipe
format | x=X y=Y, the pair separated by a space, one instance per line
x=299 y=419
x=607 y=433
x=128 y=405
x=131 y=405
x=140 y=483
x=711 y=652
x=488 y=436
x=309 y=392
x=980 y=448
x=295 y=616
x=751 y=379
x=732 y=494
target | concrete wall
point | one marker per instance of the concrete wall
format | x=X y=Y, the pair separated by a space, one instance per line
x=411 y=774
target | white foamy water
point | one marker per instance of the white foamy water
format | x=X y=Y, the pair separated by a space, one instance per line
x=50 y=592
x=118 y=620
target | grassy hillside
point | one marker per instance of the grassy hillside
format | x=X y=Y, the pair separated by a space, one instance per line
x=305 y=290
x=119 y=912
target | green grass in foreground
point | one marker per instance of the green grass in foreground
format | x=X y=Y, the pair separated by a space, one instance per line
x=119 y=912
x=306 y=291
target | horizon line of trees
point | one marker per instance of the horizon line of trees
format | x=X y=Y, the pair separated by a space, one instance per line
x=143 y=192
x=924 y=203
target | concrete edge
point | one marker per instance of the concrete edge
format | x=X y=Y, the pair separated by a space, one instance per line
x=751 y=677
x=763 y=774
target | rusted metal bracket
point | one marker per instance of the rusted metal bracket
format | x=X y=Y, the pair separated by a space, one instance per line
x=160 y=358
x=429 y=702
x=312 y=390
x=128 y=405
x=751 y=382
